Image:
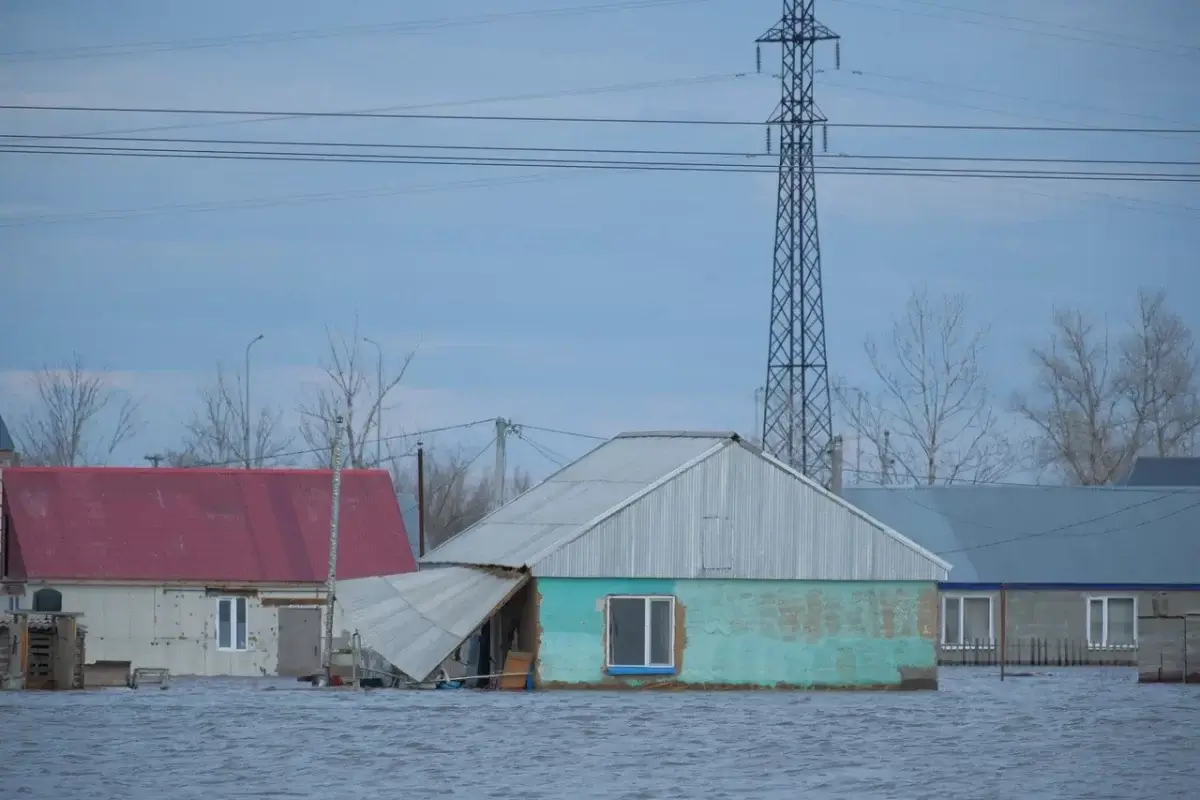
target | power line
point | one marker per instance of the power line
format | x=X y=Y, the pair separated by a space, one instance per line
x=545 y=452
x=585 y=164
x=391 y=28
x=591 y=150
x=313 y=450
x=269 y=202
x=448 y=484
x=1121 y=42
x=612 y=88
x=590 y=120
x=561 y=432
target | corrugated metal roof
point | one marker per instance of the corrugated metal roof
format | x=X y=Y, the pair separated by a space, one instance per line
x=416 y=620
x=1018 y=534
x=738 y=514
x=618 y=478
x=256 y=526
x=566 y=503
x=1162 y=472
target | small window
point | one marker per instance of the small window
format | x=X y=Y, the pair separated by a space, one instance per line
x=1112 y=622
x=231 y=623
x=47 y=600
x=641 y=635
x=967 y=621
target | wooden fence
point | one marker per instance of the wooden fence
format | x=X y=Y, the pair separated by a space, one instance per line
x=1033 y=652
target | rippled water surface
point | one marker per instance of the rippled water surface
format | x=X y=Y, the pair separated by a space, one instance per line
x=1066 y=734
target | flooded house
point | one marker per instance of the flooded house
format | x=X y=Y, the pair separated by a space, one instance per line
x=201 y=572
x=1055 y=575
x=668 y=560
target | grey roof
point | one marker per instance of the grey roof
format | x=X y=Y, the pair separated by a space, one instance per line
x=6 y=440
x=1059 y=535
x=1160 y=471
x=583 y=494
x=559 y=508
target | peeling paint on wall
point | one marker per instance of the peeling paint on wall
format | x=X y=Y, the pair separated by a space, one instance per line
x=743 y=634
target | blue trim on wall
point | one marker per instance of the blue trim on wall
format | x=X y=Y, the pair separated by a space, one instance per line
x=640 y=670
x=1102 y=587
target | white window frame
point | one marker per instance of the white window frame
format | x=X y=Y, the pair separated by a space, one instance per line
x=646 y=668
x=234 y=600
x=1103 y=643
x=960 y=645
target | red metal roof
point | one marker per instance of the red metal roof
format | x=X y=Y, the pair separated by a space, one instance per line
x=262 y=526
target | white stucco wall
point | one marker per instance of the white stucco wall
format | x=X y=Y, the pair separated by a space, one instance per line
x=174 y=627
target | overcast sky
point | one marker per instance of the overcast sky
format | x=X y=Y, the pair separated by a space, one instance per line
x=588 y=301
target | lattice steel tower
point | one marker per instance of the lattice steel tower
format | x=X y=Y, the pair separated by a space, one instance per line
x=797 y=415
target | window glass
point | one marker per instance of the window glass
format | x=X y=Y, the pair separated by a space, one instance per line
x=1096 y=621
x=241 y=622
x=950 y=629
x=1120 y=621
x=660 y=632
x=977 y=620
x=224 y=623
x=626 y=631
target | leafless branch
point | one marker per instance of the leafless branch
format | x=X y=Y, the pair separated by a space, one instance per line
x=458 y=491
x=930 y=419
x=78 y=418
x=217 y=432
x=353 y=390
x=1097 y=404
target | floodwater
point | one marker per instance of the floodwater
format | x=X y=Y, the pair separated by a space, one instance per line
x=1060 y=734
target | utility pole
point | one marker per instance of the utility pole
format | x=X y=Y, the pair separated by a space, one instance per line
x=331 y=581
x=797 y=409
x=858 y=439
x=501 y=467
x=835 y=461
x=246 y=413
x=378 y=401
x=420 y=499
x=885 y=459
x=153 y=458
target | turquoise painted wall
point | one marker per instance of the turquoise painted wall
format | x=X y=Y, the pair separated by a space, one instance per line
x=752 y=633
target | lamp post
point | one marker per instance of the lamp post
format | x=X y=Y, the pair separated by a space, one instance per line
x=378 y=400
x=246 y=410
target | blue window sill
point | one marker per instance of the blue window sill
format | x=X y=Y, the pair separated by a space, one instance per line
x=640 y=670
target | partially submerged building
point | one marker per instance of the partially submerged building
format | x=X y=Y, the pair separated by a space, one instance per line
x=196 y=571
x=688 y=560
x=1062 y=574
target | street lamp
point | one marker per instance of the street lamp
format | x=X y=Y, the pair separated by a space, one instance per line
x=246 y=411
x=378 y=400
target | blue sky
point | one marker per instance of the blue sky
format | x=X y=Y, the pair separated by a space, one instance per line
x=594 y=302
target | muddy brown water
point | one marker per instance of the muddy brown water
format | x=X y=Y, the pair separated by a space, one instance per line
x=1060 y=734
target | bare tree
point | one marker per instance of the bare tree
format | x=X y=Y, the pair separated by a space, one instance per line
x=354 y=391
x=216 y=434
x=931 y=420
x=1163 y=373
x=78 y=418
x=1096 y=403
x=457 y=493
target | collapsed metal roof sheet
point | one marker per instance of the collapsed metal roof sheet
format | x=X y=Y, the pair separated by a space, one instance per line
x=415 y=620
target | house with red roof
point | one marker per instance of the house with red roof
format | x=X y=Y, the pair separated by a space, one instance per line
x=198 y=571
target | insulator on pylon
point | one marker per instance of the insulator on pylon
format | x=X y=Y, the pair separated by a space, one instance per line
x=768 y=140
x=824 y=138
x=837 y=54
x=758 y=58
